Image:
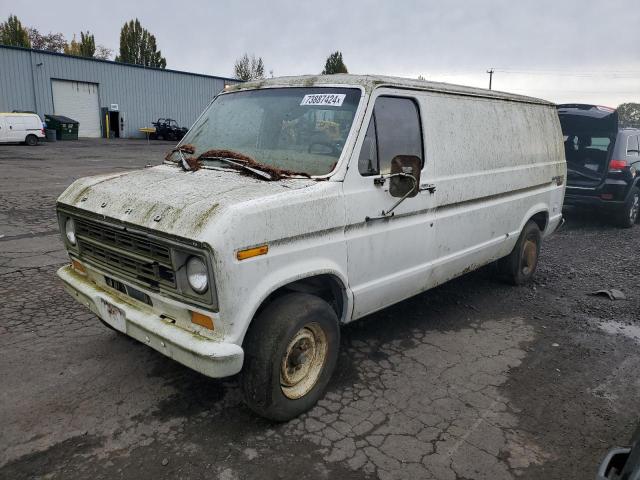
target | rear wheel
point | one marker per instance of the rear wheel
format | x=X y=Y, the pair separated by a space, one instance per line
x=628 y=215
x=520 y=265
x=291 y=350
x=31 y=140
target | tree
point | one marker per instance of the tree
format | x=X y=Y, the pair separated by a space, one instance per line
x=138 y=46
x=102 y=52
x=13 y=33
x=73 y=47
x=629 y=115
x=248 y=69
x=334 y=64
x=52 y=42
x=86 y=47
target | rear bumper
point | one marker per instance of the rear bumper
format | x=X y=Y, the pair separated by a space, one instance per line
x=209 y=357
x=592 y=202
x=618 y=190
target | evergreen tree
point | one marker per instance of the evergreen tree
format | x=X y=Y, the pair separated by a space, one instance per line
x=13 y=33
x=334 y=64
x=138 y=46
x=87 y=45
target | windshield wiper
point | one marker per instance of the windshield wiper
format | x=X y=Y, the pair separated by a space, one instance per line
x=232 y=161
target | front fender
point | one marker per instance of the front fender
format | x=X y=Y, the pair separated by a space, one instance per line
x=248 y=283
x=292 y=273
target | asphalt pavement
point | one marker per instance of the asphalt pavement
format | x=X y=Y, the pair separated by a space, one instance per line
x=472 y=380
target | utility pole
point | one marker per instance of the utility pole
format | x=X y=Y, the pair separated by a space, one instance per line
x=490 y=72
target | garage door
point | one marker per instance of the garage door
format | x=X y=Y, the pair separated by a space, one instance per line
x=78 y=100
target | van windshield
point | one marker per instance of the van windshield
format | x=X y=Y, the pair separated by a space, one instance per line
x=293 y=129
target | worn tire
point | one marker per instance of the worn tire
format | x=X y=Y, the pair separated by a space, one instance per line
x=268 y=350
x=628 y=215
x=520 y=265
x=31 y=140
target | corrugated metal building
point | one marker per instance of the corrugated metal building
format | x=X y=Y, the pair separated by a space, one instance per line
x=101 y=94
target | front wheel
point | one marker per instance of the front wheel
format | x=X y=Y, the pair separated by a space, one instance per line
x=291 y=350
x=628 y=214
x=520 y=265
x=31 y=140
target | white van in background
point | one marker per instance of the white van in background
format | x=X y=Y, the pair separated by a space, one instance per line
x=21 y=128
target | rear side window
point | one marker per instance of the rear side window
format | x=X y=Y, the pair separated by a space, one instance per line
x=394 y=130
x=632 y=146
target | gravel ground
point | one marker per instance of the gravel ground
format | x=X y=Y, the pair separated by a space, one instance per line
x=472 y=380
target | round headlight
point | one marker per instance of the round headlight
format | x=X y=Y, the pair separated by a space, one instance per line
x=197 y=275
x=70 y=230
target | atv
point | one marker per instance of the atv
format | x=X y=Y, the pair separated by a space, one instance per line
x=167 y=129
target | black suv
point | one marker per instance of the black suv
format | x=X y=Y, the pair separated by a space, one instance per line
x=602 y=161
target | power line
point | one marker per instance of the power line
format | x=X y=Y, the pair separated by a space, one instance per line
x=583 y=74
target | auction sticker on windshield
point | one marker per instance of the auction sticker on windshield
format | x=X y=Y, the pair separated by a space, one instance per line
x=324 y=99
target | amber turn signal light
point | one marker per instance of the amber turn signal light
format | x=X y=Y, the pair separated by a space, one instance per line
x=252 y=252
x=202 y=320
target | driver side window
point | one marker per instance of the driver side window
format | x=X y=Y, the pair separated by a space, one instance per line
x=394 y=129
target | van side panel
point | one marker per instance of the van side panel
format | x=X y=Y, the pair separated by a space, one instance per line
x=482 y=147
x=492 y=161
x=16 y=127
x=495 y=163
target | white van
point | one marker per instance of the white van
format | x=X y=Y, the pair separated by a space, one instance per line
x=295 y=205
x=21 y=128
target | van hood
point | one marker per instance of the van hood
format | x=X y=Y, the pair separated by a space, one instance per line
x=167 y=199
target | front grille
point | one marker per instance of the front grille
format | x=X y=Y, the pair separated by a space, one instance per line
x=130 y=242
x=123 y=252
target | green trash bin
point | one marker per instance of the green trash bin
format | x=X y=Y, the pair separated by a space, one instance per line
x=66 y=128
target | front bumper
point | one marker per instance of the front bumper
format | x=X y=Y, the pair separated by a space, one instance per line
x=209 y=357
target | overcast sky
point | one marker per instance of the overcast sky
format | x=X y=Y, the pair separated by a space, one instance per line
x=560 y=50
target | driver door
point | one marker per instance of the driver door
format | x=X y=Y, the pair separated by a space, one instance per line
x=387 y=254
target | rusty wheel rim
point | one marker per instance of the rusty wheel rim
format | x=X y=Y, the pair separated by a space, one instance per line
x=303 y=361
x=529 y=257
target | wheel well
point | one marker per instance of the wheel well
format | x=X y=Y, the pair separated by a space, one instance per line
x=541 y=219
x=326 y=286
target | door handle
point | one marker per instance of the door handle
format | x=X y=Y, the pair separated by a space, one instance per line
x=428 y=186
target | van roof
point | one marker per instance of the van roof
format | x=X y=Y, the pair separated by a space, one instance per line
x=370 y=82
x=20 y=114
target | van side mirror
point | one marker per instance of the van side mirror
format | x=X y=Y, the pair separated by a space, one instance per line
x=403 y=167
